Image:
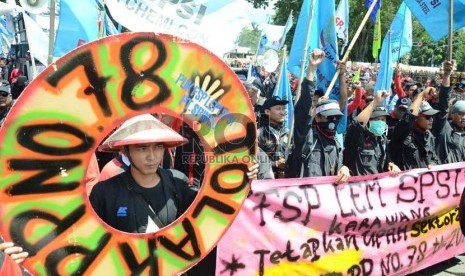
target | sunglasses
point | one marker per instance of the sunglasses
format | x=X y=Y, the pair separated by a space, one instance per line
x=333 y=118
x=4 y=94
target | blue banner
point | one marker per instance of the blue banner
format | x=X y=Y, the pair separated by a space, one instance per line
x=322 y=36
x=434 y=15
x=78 y=24
x=396 y=44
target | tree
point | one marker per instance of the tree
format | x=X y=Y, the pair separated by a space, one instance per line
x=249 y=37
x=429 y=54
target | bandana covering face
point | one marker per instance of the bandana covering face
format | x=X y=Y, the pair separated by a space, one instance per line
x=328 y=129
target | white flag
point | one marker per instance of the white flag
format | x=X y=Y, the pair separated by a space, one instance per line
x=37 y=39
x=274 y=36
x=208 y=23
x=342 y=22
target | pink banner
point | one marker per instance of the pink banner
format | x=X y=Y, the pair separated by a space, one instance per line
x=373 y=225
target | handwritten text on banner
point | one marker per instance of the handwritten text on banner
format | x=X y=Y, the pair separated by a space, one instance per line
x=375 y=225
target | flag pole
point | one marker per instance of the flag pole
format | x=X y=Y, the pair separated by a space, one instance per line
x=260 y=39
x=351 y=45
x=281 y=69
x=304 y=55
x=451 y=28
x=51 y=40
x=401 y=35
x=301 y=77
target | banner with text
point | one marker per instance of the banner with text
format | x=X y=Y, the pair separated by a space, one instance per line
x=212 y=24
x=374 y=225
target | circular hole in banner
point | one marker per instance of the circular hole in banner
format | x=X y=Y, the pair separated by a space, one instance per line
x=65 y=113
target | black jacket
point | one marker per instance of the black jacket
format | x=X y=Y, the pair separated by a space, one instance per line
x=364 y=153
x=311 y=154
x=410 y=148
x=450 y=140
x=273 y=140
x=117 y=203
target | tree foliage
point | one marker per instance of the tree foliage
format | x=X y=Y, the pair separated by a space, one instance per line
x=430 y=53
x=249 y=37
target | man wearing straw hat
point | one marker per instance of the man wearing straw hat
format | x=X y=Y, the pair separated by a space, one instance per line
x=145 y=197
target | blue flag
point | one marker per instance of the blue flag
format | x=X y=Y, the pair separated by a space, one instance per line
x=396 y=44
x=283 y=90
x=375 y=10
x=434 y=16
x=78 y=24
x=322 y=36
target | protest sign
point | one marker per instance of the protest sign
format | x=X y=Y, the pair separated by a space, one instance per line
x=65 y=112
x=374 y=225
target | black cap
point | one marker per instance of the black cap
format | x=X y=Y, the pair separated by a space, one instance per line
x=378 y=111
x=460 y=86
x=328 y=108
x=404 y=102
x=5 y=87
x=275 y=100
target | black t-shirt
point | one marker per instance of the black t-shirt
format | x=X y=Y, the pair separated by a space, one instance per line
x=156 y=197
x=118 y=201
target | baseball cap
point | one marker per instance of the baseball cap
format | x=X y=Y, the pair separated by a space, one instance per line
x=328 y=108
x=426 y=109
x=404 y=102
x=5 y=87
x=378 y=111
x=275 y=100
x=460 y=86
x=459 y=106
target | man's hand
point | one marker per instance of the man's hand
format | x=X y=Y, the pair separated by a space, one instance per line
x=316 y=57
x=253 y=172
x=380 y=96
x=15 y=252
x=281 y=163
x=448 y=67
x=343 y=175
x=429 y=93
x=341 y=66
x=393 y=169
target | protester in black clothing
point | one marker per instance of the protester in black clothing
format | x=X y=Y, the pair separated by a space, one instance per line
x=397 y=113
x=273 y=137
x=145 y=197
x=450 y=135
x=365 y=143
x=413 y=145
x=189 y=158
x=315 y=151
x=6 y=101
x=265 y=170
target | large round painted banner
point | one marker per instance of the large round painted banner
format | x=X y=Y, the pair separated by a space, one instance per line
x=63 y=115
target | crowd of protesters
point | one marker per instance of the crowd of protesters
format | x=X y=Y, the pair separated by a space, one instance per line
x=414 y=125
